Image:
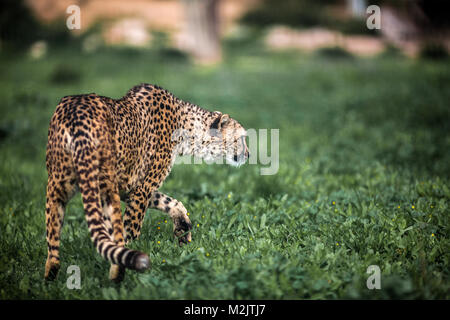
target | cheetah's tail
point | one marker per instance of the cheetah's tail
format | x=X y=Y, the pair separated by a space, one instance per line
x=88 y=176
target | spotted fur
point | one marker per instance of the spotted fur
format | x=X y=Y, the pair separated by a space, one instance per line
x=123 y=149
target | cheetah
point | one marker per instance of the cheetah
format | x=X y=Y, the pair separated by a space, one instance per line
x=113 y=150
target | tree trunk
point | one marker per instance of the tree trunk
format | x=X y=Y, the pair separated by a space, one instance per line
x=357 y=7
x=202 y=30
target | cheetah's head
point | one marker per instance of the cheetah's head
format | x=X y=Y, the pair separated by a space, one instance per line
x=226 y=140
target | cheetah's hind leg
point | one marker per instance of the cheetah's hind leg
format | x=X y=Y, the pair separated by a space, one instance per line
x=112 y=217
x=54 y=216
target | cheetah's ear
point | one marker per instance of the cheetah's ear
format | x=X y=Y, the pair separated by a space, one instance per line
x=220 y=121
x=224 y=119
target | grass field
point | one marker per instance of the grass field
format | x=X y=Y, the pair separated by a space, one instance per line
x=363 y=178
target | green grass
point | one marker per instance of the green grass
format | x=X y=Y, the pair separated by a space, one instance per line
x=363 y=179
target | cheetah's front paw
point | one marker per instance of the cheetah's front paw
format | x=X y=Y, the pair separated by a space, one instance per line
x=181 y=230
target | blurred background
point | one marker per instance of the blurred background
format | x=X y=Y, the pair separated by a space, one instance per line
x=199 y=27
x=364 y=144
